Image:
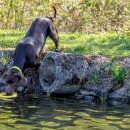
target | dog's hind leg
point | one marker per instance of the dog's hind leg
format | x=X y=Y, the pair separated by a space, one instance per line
x=53 y=34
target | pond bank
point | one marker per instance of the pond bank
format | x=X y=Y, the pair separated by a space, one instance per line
x=108 y=80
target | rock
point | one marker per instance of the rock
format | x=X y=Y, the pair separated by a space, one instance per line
x=92 y=100
x=5 y=57
x=6 y=53
x=33 y=83
x=10 y=64
x=93 y=95
x=125 y=61
x=127 y=87
x=63 y=73
x=118 y=96
x=68 y=73
x=2 y=81
x=2 y=84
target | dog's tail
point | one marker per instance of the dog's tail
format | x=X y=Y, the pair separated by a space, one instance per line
x=52 y=18
x=55 y=12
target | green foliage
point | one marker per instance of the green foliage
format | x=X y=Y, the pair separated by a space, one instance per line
x=120 y=73
x=4 y=60
x=73 y=15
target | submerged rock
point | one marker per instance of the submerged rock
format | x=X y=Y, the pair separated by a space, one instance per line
x=118 y=96
x=92 y=95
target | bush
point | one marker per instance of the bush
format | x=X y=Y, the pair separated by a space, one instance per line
x=120 y=73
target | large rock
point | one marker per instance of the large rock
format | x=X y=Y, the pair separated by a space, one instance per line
x=64 y=73
x=118 y=97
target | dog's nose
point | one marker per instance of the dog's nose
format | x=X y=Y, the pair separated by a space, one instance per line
x=9 y=93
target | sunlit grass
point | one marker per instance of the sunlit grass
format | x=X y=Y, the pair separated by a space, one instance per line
x=109 y=43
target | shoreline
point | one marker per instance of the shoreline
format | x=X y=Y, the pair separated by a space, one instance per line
x=104 y=84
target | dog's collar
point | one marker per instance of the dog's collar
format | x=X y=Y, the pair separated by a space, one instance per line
x=17 y=68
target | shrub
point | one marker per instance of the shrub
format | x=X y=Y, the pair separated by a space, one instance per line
x=120 y=73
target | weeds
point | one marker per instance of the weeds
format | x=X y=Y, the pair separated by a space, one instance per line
x=120 y=73
x=5 y=59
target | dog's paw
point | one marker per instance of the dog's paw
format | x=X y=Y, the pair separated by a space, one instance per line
x=57 y=50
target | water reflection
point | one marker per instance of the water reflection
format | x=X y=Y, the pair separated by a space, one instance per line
x=41 y=113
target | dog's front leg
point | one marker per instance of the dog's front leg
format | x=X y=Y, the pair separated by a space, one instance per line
x=57 y=47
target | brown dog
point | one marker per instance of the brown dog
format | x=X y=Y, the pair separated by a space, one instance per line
x=27 y=52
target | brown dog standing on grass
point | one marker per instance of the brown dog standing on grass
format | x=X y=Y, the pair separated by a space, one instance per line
x=28 y=50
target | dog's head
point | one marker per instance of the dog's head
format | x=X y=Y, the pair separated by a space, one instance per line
x=14 y=82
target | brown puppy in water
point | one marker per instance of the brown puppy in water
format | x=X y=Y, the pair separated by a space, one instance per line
x=28 y=51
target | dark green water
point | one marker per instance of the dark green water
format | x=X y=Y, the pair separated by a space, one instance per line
x=60 y=114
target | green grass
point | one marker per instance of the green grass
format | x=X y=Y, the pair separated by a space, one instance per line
x=108 y=43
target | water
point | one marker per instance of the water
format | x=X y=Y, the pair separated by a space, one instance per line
x=41 y=113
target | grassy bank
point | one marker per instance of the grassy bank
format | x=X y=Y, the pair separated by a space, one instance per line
x=108 y=43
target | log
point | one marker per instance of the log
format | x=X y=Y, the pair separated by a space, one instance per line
x=63 y=73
